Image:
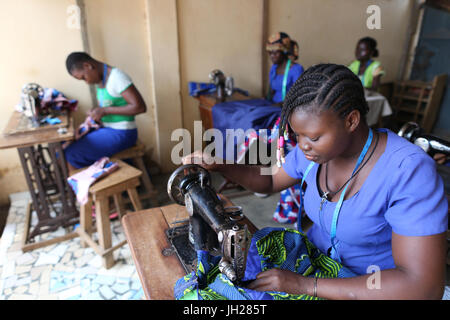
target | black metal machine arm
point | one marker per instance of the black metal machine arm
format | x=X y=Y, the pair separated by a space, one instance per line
x=213 y=227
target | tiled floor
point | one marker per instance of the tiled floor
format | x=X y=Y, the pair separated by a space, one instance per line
x=61 y=271
x=68 y=271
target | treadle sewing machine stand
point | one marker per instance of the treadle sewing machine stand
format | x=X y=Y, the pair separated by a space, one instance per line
x=46 y=175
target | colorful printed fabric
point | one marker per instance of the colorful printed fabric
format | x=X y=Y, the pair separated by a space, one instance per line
x=87 y=126
x=281 y=41
x=56 y=100
x=81 y=181
x=285 y=249
x=288 y=206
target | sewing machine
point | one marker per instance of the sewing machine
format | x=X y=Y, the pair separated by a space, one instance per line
x=31 y=96
x=429 y=143
x=212 y=227
x=225 y=85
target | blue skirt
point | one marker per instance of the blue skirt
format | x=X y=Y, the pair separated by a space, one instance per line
x=103 y=142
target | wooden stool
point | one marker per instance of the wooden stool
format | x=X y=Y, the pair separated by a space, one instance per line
x=136 y=154
x=125 y=178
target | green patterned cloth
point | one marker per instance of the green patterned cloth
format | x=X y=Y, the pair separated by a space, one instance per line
x=281 y=248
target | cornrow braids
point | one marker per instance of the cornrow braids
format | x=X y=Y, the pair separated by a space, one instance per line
x=322 y=87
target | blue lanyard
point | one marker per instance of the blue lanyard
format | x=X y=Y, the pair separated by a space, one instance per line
x=362 y=77
x=334 y=252
x=105 y=72
x=299 y=216
x=286 y=72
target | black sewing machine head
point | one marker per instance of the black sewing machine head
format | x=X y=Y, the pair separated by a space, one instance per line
x=212 y=226
x=225 y=85
x=429 y=143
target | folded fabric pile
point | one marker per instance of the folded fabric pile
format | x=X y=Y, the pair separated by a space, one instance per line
x=81 y=181
x=281 y=248
x=56 y=100
x=198 y=88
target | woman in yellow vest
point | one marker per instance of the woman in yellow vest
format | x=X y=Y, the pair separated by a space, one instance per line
x=365 y=67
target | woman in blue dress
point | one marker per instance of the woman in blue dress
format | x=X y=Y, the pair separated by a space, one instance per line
x=284 y=72
x=376 y=200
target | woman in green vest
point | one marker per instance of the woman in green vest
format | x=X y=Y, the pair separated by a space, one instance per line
x=365 y=67
x=119 y=102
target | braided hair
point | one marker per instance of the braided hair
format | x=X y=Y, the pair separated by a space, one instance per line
x=322 y=87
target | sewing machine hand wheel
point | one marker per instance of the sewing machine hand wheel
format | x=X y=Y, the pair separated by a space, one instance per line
x=182 y=177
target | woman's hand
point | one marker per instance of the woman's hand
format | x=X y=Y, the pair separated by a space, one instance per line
x=202 y=159
x=97 y=113
x=282 y=280
x=440 y=158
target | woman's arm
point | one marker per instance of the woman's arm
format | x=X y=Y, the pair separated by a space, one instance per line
x=419 y=274
x=254 y=178
x=135 y=106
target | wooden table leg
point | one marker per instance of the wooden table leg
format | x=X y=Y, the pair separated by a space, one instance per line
x=134 y=197
x=104 y=229
x=86 y=220
x=118 y=202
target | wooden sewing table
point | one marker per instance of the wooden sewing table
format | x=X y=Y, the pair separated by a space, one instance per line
x=42 y=158
x=145 y=233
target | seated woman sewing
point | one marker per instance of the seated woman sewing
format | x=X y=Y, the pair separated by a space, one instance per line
x=285 y=71
x=374 y=198
x=365 y=67
x=119 y=102
x=261 y=113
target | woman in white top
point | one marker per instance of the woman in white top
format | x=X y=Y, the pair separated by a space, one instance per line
x=119 y=102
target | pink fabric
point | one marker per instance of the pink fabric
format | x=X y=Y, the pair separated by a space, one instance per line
x=87 y=126
x=81 y=181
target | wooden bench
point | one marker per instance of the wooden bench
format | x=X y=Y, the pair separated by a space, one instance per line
x=136 y=154
x=125 y=178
